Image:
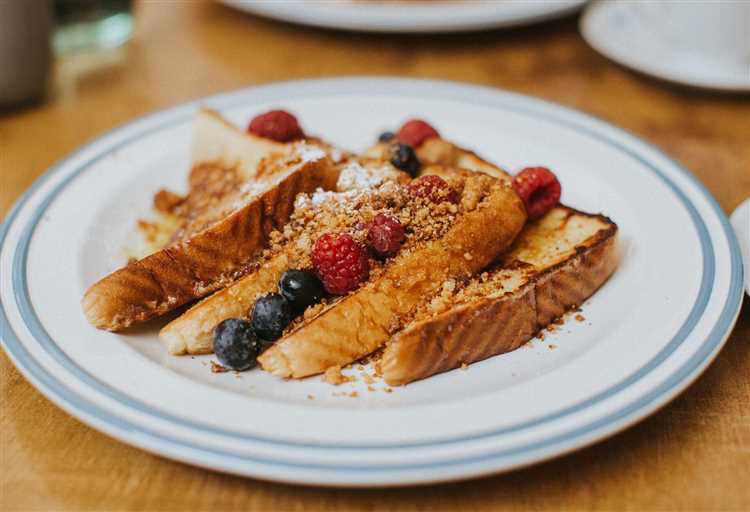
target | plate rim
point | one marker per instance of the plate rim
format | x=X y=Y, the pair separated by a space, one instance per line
x=726 y=315
x=272 y=10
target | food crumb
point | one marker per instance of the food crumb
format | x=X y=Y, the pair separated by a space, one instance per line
x=310 y=397
x=541 y=336
x=552 y=346
x=217 y=368
x=334 y=376
x=579 y=317
x=354 y=394
x=464 y=366
x=388 y=390
x=370 y=388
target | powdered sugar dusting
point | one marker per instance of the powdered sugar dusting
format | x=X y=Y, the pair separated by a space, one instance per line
x=253 y=188
x=354 y=176
x=311 y=153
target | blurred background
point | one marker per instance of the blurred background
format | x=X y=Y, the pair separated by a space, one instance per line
x=113 y=60
x=674 y=72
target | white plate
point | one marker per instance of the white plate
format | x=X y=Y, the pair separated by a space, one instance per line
x=649 y=332
x=740 y=220
x=414 y=16
x=614 y=29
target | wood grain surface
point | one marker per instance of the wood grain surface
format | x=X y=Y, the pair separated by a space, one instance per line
x=692 y=455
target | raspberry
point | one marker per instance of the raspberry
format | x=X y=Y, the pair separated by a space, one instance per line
x=539 y=190
x=435 y=188
x=278 y=125
x=385 y=235
x=415 y=131
x=340 y=262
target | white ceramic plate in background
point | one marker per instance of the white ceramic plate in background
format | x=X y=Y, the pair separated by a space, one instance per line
x=617 y=30
x=741 y=223
x=409 y=16
x=649 y=332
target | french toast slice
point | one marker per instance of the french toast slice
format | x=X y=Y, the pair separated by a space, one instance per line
x=222 y=157
x=491 y=216
x=556 y=263
x=439 y=151
x=214 y=244
x=192 y=332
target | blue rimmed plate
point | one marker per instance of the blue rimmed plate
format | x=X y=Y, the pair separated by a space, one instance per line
x=649 y=332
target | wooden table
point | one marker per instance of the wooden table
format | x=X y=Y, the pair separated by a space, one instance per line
x=694 y=454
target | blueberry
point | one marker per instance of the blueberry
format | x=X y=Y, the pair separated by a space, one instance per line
x=235 y=344
x=271 y=314
x=386 y=136
x=301 y=288
x=404 y=157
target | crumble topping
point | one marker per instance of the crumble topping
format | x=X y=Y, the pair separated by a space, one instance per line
x=334 y=376
x=352 y=210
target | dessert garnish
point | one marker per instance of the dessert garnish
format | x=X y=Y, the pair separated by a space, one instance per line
x=539 y=190
x=270 y=316
x=278 y=125
x=403 y=157
x=385 y=235
x=341 y=262
x=301 y=288
x=236 y=345
x=415 y=131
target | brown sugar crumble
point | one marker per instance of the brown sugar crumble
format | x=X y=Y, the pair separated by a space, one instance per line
x=580 y=318
x=334 y=376
x=217 y=368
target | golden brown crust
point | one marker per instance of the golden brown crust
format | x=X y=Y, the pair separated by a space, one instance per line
x=499 y=323
x=441 y=152
x=204 y=262
x=191 y=333
x=363 y=321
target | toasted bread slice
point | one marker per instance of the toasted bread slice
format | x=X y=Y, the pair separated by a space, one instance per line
x=222 y=158
x=364 y=320
x=557 y=262
x=442 y=152
x=215 y=244
x=192 y=332
x=217 y=140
